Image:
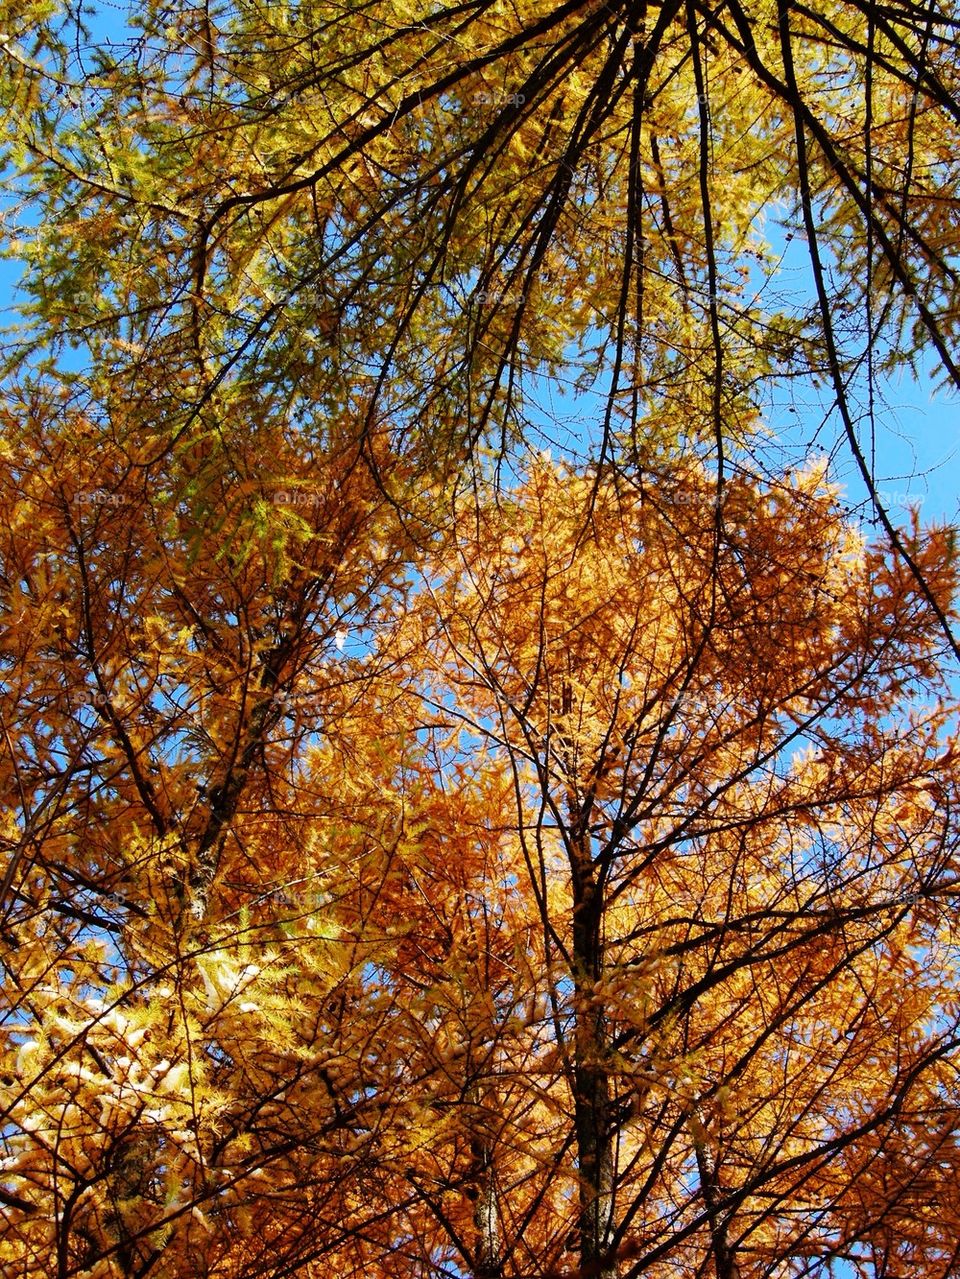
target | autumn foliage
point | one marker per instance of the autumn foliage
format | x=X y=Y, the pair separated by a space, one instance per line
x=426 y=853
x=586 y=893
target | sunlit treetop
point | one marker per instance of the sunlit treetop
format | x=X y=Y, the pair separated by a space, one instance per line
x=404 y=216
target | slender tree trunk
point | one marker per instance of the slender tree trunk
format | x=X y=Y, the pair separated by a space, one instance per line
x=726 y=1266
x=487 y=1260
x=486 y=1248
x=591 y=1084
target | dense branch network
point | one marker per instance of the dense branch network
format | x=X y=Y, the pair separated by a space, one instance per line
x=474 y=810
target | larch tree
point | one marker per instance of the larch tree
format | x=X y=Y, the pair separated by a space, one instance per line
x=410 y=216
x=733 y=791
x=421 y=857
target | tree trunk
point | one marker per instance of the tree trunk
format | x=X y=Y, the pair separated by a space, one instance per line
x=486 y=1248
x=591 y=1084
x=487 y=1260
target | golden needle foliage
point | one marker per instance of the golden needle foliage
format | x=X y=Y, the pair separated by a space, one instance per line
x=421 y=857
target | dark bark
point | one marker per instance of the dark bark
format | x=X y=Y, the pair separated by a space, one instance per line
x=591 y=1081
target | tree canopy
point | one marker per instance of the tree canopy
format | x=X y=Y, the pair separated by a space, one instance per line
x=475 y=805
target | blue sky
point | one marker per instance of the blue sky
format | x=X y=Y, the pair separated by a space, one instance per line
x=917 y=428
